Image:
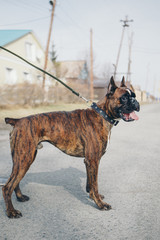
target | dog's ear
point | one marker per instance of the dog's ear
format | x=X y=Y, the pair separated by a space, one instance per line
x=132 y=88
x=101 y=103
x=111 y=87
x=123 y=84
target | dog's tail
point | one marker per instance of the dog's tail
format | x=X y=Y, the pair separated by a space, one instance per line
x=11 y=121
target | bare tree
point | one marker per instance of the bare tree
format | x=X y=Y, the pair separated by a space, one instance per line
x=106 y=70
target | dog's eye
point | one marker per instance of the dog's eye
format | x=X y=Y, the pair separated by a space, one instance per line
x=133 y=94
x=124 y=99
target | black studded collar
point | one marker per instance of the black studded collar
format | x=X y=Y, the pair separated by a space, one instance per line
x=103 y=114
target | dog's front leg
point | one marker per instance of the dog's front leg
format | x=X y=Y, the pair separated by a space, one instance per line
x=87 y=164
x=92 y=183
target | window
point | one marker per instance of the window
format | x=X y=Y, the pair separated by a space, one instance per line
x=11 y=76
x=39 y=78
x=30 y=51
x=39 y=55
x=27 y=77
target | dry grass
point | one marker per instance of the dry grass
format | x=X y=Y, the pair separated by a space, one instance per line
x=18 y=112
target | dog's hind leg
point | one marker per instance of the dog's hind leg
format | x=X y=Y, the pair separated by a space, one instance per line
x=8 y=188
x=19 y=195
x=23 y=156
x=18 y=172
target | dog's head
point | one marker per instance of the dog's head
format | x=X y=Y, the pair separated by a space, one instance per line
x=121 y=102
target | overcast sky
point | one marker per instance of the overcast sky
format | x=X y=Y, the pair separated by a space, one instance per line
x=71 y=32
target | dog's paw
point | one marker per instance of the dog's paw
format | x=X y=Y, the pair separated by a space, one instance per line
x=106 y=206
x=23 y=198
x=14 y=214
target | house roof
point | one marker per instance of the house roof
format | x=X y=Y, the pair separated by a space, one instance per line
x=100 y=82
x=8 y=36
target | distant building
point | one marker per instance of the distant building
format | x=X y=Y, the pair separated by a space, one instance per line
x=100 y=87
x=25 y=44
x=73 y=71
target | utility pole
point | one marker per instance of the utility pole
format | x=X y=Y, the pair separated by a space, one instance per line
x=91 y=65
x=129 y=58
x=147 y=77
x=154 y=87
x=125 y=24
x=53 y=4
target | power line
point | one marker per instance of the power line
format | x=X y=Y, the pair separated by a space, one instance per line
x=31 y=4
x=27 y=4
x=146 y=50
x=29 y=21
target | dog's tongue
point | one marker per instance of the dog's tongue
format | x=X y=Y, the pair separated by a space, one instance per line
x=133 y=116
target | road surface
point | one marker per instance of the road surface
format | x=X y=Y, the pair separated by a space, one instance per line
x=59 y=207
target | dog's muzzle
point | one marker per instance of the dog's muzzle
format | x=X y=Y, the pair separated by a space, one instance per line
x=135 y=104
x=127 y=113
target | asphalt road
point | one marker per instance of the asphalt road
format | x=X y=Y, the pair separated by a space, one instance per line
x=59 y=207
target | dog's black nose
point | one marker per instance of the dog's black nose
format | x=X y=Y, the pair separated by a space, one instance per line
x=135 y=104
x=137 y=107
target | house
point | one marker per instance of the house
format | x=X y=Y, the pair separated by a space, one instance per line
x=100 y=87
x=73 y=71
x=15 y=71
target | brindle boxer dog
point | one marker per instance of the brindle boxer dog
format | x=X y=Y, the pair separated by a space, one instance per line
x=80 y=133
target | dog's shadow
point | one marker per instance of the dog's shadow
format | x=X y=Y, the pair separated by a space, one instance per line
x=68 y=178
